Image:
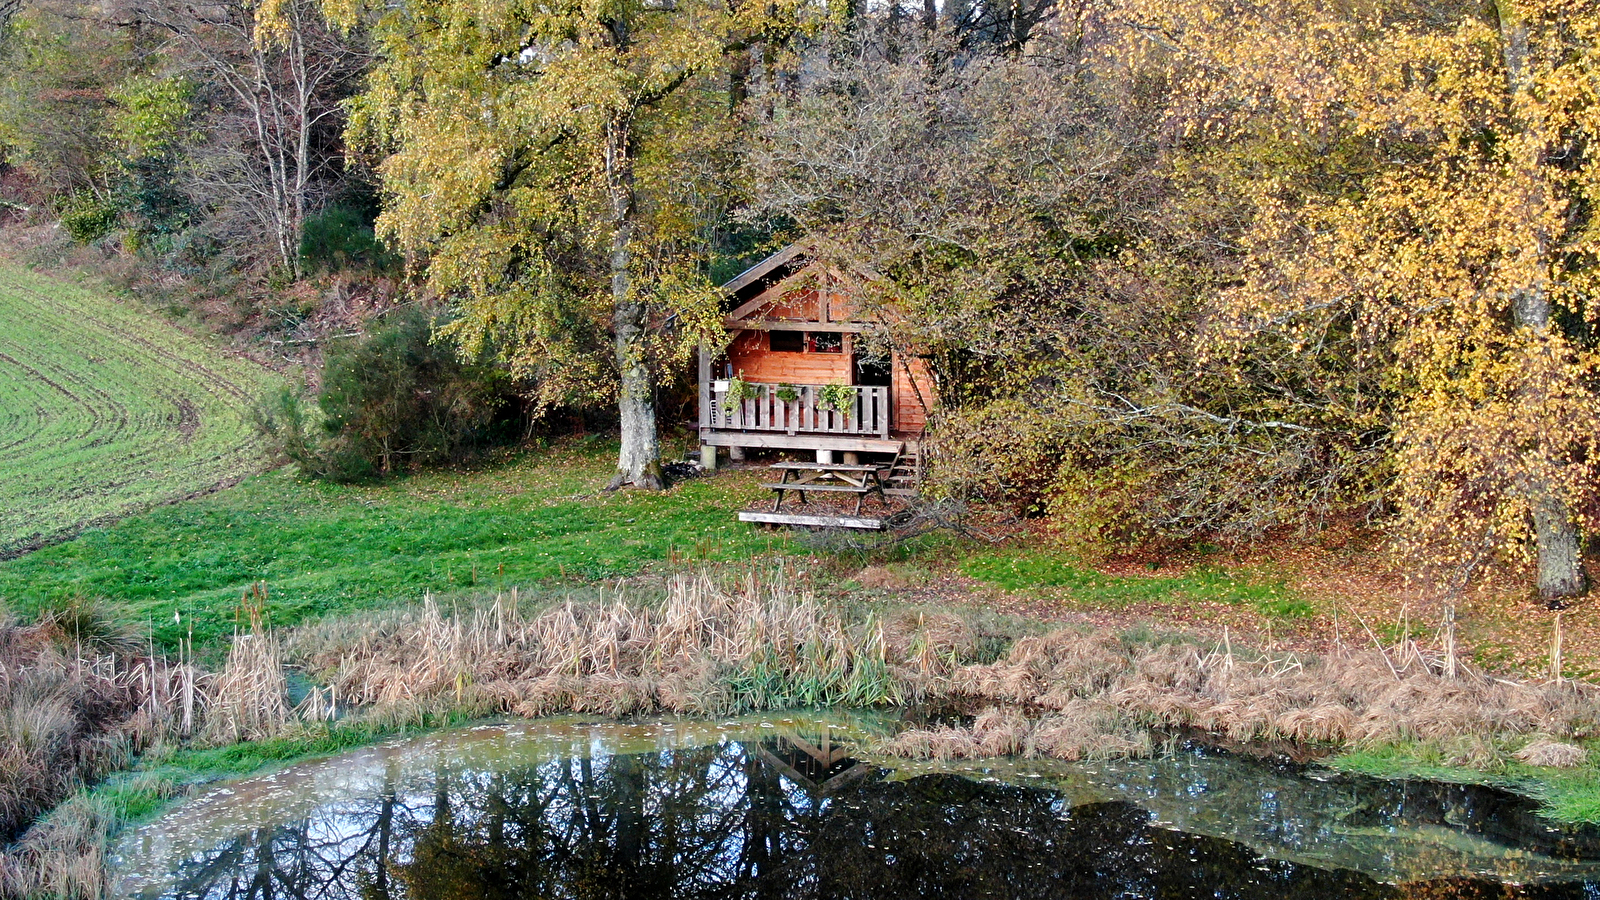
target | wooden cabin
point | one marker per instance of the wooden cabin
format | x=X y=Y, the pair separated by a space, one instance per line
x=795 y=340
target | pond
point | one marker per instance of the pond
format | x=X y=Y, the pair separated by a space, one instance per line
x=791 y=806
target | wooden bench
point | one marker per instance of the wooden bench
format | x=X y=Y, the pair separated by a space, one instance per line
x=826 y=478
x=767 y=518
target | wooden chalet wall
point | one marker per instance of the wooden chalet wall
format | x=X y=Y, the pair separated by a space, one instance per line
x=913 y=387
x=751 y=355
x=804 y=297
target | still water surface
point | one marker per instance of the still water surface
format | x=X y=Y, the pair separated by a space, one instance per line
x=790 y=807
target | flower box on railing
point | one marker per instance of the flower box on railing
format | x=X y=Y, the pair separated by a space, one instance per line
x=866 y=409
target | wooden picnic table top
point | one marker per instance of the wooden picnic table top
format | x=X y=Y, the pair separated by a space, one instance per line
x=825 y=477
x=824 y=467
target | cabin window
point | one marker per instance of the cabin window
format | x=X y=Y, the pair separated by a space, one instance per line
x=786 y=341
x=824 y=342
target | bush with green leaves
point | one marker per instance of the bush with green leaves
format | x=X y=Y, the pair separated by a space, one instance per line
x=837 y=396
x=89 y=217
x=392 y=400
x=339 y=237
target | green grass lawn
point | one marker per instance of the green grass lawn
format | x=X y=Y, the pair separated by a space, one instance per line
x=1062 y=575
x=322 y=548
x=106 y=409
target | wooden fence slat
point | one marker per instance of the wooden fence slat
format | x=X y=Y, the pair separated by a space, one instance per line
x=869 y=412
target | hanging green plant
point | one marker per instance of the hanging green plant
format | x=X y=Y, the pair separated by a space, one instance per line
x=788 y=393
x=838 y=396
x=739 y=391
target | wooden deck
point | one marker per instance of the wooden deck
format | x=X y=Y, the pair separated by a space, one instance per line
x=812 y=441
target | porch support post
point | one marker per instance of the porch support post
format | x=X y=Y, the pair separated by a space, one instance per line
x=825 y=457
x=708 y=453
x=705 y=386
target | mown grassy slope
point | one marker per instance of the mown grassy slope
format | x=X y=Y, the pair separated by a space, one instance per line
x=106 y=409
x=323 y=548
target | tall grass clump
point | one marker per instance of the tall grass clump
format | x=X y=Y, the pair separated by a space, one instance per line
x=79 y=694
x=64 y=856
x=698 y=646
x=1072 y=695
x=249 y=698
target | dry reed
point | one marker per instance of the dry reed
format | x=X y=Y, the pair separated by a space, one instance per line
x=1084 y=695
x=249 y=698
x=704 y=647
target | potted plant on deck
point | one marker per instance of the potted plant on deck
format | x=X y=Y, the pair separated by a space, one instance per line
x=738 y=391
x=839 y=397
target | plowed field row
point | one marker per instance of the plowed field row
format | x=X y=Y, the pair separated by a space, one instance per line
x=106 y=409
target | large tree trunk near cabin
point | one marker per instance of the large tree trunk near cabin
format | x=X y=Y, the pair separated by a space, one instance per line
x=639 y=462
x=1561 y=574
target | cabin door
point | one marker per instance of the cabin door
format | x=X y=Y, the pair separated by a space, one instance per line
x=873 y=372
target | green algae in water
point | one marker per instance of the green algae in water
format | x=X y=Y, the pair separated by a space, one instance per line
x=786 y=806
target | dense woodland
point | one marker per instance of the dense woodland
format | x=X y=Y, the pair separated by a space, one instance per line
x=1202 y=271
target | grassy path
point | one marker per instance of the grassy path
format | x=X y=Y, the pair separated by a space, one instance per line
x=106 y=409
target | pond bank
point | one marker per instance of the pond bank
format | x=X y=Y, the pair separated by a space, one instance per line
x=706 y=646
x=690 y=807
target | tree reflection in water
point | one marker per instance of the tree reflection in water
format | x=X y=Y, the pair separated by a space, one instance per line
x=781 y=818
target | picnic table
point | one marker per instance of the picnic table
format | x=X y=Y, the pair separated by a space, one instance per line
x=806 y=478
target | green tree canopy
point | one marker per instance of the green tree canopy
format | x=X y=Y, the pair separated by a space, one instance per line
x=558 y=168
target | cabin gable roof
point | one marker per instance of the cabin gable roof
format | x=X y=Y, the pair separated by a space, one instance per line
x=763 y=269
x=770 y=282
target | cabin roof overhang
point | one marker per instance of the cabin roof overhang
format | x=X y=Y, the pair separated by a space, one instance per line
x=769 y=281
x=763 y=269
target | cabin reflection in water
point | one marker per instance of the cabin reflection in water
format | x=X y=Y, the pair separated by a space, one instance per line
x=789 y=816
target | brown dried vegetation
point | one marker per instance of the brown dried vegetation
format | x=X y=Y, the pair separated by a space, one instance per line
x=709 y=648
x=73 y=706
x=1072 y=695
x=703 y=648
x=76 y=699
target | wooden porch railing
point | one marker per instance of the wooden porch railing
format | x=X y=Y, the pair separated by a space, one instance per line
x=866 y=414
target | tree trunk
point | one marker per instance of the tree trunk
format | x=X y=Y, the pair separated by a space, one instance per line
x=1561 y=574
x=639 y=463
x=1559 y=544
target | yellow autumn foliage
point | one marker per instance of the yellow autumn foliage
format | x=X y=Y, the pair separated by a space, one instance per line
x=1451 y=232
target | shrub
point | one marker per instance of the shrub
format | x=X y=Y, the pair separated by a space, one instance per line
x=393 y=399
x=89 y=218
x=341 y=236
